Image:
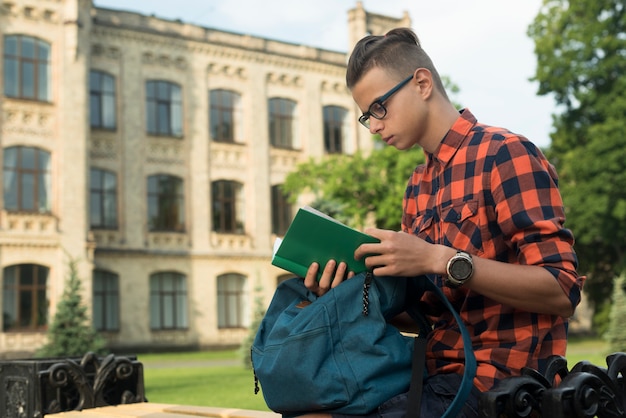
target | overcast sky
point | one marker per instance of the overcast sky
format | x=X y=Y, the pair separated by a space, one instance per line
x=481 y=44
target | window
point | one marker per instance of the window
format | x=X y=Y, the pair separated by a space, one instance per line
x=282 y=113
x=102 y=199
x=168 y=301
x=106 y=301
x=228 y=207
x=166 y=203
x=24 y=301
x=335 y=129
x=26 y=68
x=225 y=116
x=27 y=179
x=102 y=100
x=281 y=211
x=231 y=301
x=164 y=108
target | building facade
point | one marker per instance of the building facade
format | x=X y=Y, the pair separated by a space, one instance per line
x=151 y=152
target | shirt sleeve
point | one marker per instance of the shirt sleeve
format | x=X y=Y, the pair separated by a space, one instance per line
x=530 y=212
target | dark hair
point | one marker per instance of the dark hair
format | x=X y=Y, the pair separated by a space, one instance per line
x=398 y=52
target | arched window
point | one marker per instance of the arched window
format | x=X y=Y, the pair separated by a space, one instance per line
x=168 y=301
x=102 y=199
x=106 y=301
x=232 y=303
x=225 y=116
x=166 y=203
x=26 y=68
x=26 y=179
x=282 y=123
x=164 y=108
x=281 y=211
x=102 y=100
x=335 y=129
x=228 y=207
x=24 y=300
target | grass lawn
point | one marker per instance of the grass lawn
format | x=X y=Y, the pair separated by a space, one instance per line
x=218 y=378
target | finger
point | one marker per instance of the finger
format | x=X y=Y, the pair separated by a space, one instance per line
x=340 y=274
x=327 y=277
x=310 y=280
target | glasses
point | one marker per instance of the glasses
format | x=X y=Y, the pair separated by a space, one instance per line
x=377 y=110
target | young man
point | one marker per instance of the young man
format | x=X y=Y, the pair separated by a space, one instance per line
x=483 y=218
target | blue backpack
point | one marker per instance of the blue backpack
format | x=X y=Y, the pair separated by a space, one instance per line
x=338 y=354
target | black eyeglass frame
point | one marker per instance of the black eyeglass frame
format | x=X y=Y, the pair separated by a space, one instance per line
x=364 y=119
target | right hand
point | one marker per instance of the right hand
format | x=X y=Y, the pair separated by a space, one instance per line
x=332 y=276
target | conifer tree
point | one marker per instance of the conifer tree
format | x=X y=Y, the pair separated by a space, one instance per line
x=616 y=334
x=259 y=313
x=71 y=334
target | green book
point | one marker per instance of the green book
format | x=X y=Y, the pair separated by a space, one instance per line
x=314 y=236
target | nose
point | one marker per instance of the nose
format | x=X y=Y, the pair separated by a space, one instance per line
x=376 y=125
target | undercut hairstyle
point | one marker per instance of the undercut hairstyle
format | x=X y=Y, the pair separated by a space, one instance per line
x=398 y=52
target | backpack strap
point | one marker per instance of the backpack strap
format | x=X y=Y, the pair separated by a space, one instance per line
x=419 y=355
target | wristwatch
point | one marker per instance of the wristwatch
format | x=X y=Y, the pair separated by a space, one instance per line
x=460 y=269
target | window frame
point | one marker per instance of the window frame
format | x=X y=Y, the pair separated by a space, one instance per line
x=37 y=290
x=232 y=302
x=228 y=207
x=106 y=299
x=98 y=94
x=166 y=208
x=176 y=295
x=282 y=210
x=282 y=124
x=164 y=111
x=18 y=177
x=39 y=73
x=335 y=129
x=224 y=106
x=106 y=197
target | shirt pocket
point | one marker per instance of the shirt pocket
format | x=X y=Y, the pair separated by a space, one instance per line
x=461 y=226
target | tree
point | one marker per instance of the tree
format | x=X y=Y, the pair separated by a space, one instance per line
x=259 y=313
x=581 y=61
x=616 y=334
x=354 y=187
x=71 y=334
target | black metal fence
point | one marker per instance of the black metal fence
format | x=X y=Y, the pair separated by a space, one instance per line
x=35 y=387
x=584 y=391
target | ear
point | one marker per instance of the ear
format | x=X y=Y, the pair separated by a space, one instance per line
x=424 y=80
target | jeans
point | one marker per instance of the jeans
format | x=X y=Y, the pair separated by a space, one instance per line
x=437 y=395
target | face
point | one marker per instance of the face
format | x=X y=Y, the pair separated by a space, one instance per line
x=400 y=121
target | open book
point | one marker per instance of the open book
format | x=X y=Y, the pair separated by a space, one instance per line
x=314 y=236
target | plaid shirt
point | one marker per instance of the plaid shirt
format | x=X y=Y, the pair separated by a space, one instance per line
x=493 y=194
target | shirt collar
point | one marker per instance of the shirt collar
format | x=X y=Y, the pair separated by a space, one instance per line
x=452 y=141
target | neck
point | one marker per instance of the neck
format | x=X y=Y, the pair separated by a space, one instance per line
x=443 y=114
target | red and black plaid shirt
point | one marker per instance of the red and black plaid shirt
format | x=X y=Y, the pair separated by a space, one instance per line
x=492 y=193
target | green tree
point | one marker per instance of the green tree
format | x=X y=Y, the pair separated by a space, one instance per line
x=581 y=62
x=71 y=333
x=259 y=313
x=616 y=334
x=354 y=187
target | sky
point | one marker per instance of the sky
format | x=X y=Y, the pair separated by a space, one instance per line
x=481 y=45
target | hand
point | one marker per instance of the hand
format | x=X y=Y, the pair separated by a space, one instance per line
x=332 y=276
x=402 y=254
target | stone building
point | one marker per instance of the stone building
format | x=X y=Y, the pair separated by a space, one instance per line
x=151 y=152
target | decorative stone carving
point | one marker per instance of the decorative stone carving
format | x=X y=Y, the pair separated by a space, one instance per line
x=227 y=70
x=110 y=52
x=164 y=60
x=31 y=120
x=284 y=80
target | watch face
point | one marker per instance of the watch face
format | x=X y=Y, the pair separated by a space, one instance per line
x=461 y=269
